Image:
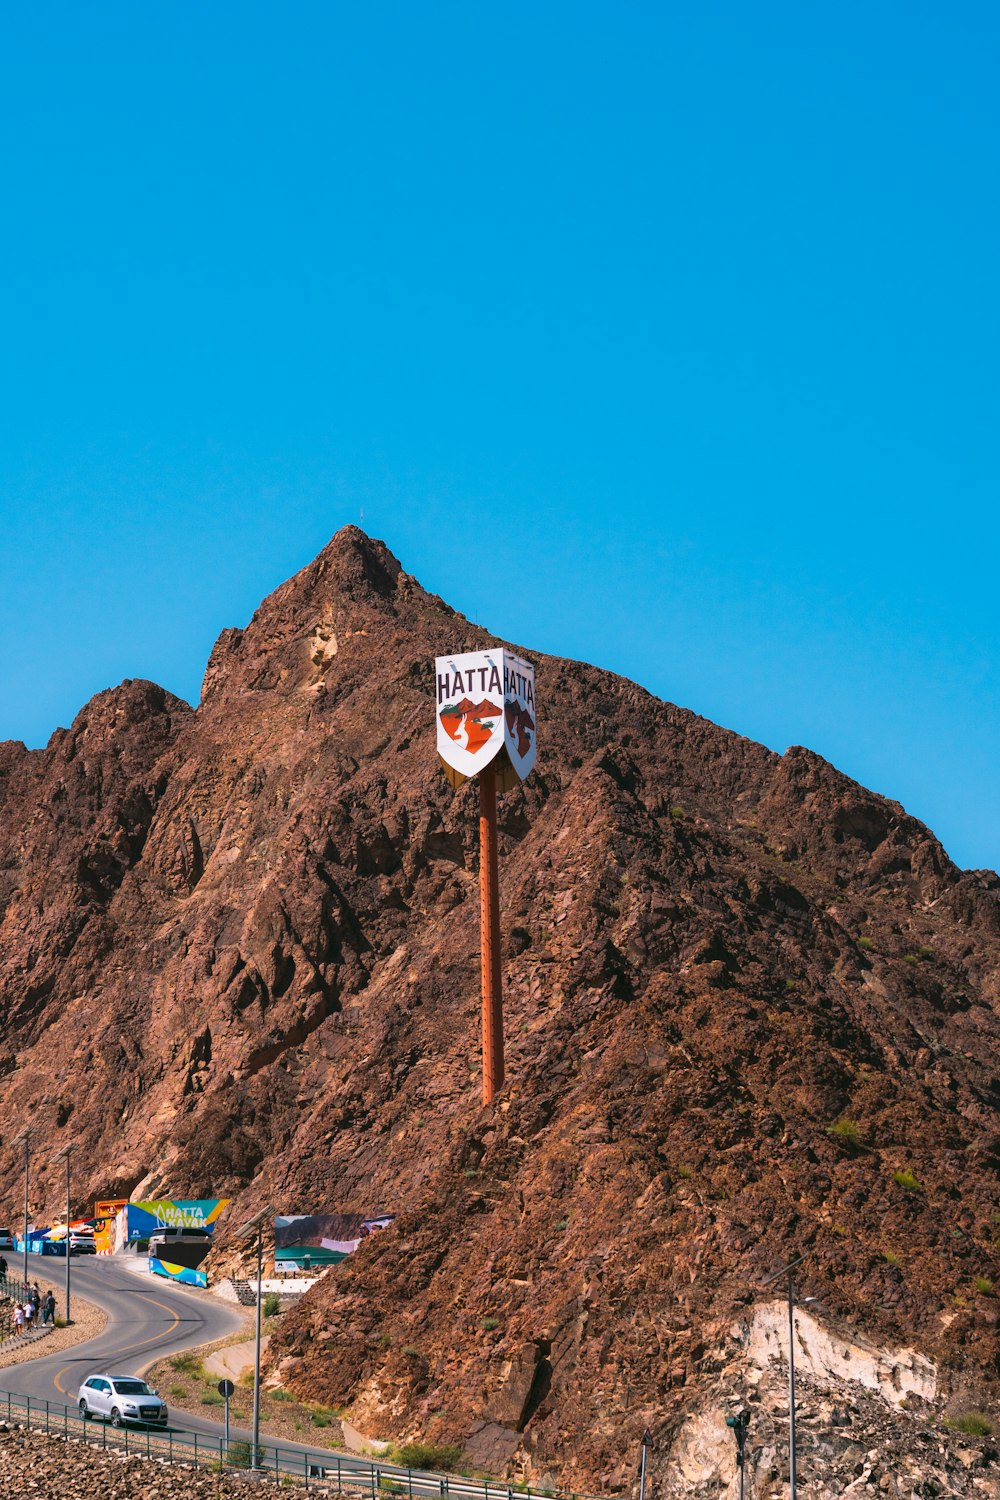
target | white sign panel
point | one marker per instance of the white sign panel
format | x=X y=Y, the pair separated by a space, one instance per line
x=485 y=703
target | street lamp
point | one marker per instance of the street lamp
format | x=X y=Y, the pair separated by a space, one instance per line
x=739 y=1423
x=24 y=1139
x=64 y=1155
x=647 y=1443
x=247 y=1231
x=786 y=1272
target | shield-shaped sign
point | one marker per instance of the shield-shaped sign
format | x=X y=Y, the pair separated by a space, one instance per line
x=485 y=706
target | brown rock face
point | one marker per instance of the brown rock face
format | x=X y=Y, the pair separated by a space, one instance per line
x=239 y=955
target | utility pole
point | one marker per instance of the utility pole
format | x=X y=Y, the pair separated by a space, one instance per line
x=255 y=1226
x=25 y=1139
x=64 y=1155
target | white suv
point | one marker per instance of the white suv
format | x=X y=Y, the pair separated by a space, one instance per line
x=123 y=1398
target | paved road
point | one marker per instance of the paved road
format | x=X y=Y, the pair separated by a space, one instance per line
x=150 y=1318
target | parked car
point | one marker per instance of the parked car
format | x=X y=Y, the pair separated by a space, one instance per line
x=82 y=1242
x=122 y=1398
x=6 y=1240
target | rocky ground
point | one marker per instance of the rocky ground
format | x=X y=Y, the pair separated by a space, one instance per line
x=752 y=1011
x=36 y=1467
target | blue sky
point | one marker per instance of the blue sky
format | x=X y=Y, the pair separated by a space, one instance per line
x=683 y=317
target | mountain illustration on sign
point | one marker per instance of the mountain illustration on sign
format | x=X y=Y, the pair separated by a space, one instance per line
x=519 y=719
x=469 y=724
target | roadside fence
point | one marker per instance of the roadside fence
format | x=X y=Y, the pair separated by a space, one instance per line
x=14 y=1291
x=317 y=1470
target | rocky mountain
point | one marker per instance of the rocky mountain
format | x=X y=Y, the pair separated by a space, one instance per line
x=752 y=1012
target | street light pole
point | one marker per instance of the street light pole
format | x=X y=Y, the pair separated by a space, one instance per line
x=246 y=1231
x=24 y=1139
x=64 y=1155
x=792 y=1485
x=786 y=1273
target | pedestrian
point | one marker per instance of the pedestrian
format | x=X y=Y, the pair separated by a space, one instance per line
x=49 y=1308
x=18 y=1321
x=3 y=1268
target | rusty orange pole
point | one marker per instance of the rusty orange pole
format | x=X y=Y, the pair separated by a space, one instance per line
x=489 y=932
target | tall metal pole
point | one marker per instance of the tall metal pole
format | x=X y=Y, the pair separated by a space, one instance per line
x=791 y=1389
x=255 y=1462
x=647 y=1442
x=489 y=931
x=68 y=1150
x=26 y=1152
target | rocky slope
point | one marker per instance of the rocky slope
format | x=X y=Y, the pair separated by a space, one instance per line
x=752 y=1011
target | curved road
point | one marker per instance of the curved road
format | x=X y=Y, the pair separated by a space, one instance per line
x=150 y=1318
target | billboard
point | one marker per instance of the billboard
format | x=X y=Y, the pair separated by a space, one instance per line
x=144 y=1219
x=302 y=1241
x=485 y=712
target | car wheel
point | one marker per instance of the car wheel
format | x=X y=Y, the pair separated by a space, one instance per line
x=116 y=1417
x=84 y=1410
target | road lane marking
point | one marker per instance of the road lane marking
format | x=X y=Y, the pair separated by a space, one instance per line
x=125 y=1348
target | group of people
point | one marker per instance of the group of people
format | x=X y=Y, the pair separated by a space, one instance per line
x=33 y=1310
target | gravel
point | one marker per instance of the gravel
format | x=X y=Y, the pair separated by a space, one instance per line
x=36 y=1467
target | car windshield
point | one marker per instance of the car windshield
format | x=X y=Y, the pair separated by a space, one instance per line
x=132 y=1388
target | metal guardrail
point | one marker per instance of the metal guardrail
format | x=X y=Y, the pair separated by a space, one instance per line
x=357 y=1476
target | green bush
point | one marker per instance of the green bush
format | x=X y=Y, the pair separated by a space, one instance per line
x=385 y=1339
x=272 y=1305
x=983 y=1285
x=677 y=811
x=891 y=1258
x=848 y=1132
x=212 y=1398
x=685 y=1172
x=418 y=1455
x=411 y=1350
x=910 y=958
x=865 y=943
x=187 y=1364
x=926 y=952
x=239 y=1454
x=972 y=1423
x=488 y=1324
x=280 y=1394
x=176 y=1391
x=906 y=1179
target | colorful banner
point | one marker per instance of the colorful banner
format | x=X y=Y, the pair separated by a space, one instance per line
x=144 y=1219
x=183 y=1274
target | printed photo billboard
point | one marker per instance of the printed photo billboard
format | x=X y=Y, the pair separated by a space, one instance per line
x=485 y=704
x=306 y=1240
